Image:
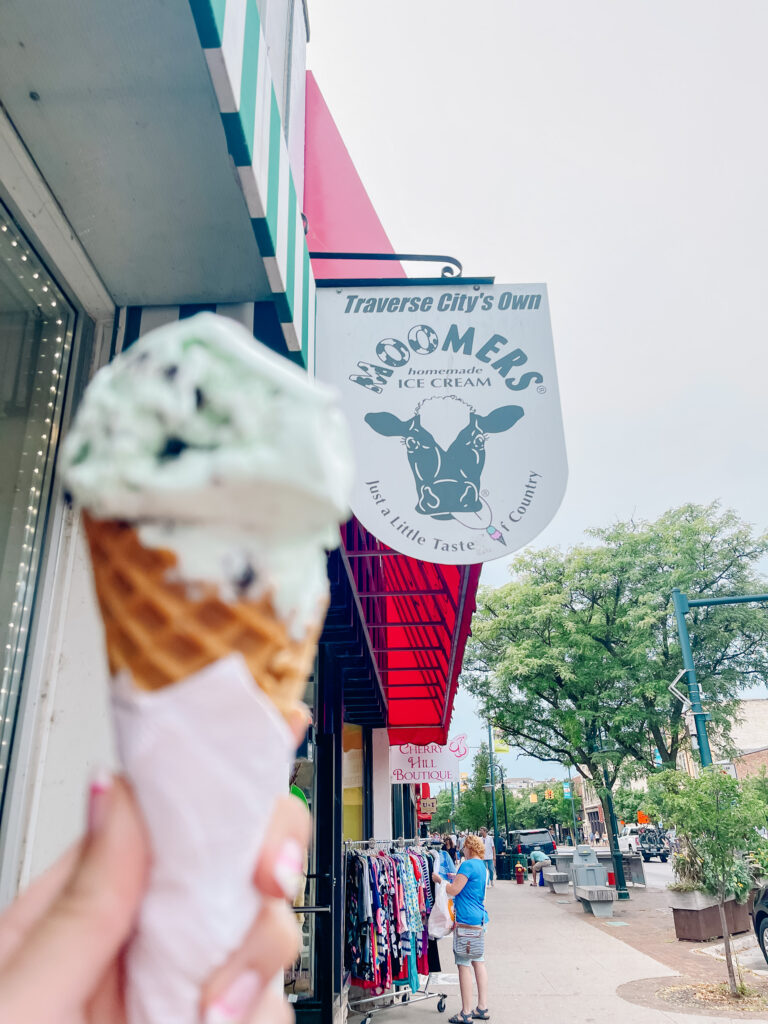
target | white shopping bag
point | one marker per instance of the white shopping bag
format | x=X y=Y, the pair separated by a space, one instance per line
x=441 y=917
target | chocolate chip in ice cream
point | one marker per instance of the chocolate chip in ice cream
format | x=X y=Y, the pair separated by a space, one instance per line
x=174 y=446
x=246 y=578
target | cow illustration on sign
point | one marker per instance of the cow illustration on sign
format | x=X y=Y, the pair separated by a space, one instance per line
x=445 y=444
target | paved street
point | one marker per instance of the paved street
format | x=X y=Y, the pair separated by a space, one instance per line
x=657 y=875
x=548 y=964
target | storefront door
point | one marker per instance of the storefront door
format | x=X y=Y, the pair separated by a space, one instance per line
x=334 y=773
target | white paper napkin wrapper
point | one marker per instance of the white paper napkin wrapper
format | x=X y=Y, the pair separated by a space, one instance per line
x=207 y=758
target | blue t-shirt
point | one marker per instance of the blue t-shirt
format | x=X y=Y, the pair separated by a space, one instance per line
x=539 y=855
x=470 y=902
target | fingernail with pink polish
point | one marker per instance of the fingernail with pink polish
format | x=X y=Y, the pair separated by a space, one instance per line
x=98 y=795
x=289 y=868
x=236 y=1001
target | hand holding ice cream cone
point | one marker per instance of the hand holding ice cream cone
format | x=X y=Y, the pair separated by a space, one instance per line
x=213 y=476
x=69 y=926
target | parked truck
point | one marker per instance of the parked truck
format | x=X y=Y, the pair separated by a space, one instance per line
x=645 y=840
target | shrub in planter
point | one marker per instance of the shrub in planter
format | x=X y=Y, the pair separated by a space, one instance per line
x=716 y=819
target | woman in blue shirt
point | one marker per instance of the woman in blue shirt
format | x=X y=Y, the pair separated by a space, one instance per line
x=447 y=860
x=468 y=894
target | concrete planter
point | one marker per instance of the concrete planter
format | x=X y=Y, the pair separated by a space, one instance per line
x=697 y=917
x=696 y=900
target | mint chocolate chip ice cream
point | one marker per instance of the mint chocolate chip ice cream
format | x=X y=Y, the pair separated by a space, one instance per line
x=222 y=452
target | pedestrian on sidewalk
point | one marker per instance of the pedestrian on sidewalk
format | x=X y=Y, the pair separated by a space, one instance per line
x=489 y=853
x=539 y=861
x=468 y=895
x=447 y=860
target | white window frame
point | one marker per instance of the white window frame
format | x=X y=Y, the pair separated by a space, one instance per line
x=27 y=195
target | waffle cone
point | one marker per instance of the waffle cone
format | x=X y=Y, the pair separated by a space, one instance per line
x=162 y=631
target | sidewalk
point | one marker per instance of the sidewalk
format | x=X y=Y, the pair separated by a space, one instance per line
x=550 y=962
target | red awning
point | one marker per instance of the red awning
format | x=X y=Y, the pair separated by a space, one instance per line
x=417 y=614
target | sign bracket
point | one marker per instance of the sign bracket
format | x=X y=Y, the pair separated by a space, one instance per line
x=452 y=270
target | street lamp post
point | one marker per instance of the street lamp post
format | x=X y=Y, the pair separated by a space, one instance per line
x=500 y=767
x=622 y=892
x=493 y=789
x=504 y=802
x=573 y=809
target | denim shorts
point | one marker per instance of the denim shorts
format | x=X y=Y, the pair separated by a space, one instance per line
x=462 y=960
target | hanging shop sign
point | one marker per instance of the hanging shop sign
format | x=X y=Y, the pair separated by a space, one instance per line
x=428 y=762
x=429 y=805
x=452 y=396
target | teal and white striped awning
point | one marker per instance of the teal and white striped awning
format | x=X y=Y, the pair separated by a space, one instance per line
x=231 y=35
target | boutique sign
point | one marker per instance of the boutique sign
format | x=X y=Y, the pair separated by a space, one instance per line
x=452 y=396
x=410 y=762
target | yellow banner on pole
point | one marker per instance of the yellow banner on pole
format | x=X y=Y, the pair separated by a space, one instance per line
x=500 y=745
x=534 y=798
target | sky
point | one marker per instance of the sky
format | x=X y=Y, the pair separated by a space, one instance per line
x=617 y=152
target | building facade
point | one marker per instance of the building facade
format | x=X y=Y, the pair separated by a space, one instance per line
x=157 y=160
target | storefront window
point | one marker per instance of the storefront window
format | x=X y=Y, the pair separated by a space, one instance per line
x=352 y=781
x=36 y=329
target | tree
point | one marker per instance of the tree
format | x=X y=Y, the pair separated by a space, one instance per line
x=441 y=819
x=628 y=802
x=717 y=818
x=542 y=813
x=572 y=660
x=473 y=810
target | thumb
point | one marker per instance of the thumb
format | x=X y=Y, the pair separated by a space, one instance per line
x=60 y=964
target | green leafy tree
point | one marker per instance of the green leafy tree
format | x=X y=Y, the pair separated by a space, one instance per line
x=543 y=813
x=628 y=802
x=441 y=819
x=572 y=660
x=717 y=818
x=473 y=810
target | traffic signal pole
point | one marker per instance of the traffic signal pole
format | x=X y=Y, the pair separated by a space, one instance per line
x=682 y=605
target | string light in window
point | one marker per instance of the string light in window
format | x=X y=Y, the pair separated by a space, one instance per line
x=41 y=406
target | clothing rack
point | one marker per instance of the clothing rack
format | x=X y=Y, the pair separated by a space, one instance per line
x=365 y=845
x=403 y=995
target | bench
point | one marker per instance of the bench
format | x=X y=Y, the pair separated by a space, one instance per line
x=556 y=880
x=596 y=899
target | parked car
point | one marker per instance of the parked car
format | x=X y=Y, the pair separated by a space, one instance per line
x=526 y=840
x=653 y=843
x=760 y=919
